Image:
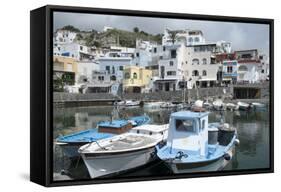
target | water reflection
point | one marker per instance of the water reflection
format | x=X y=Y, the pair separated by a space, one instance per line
x=252 y=127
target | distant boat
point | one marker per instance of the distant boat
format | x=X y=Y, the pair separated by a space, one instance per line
x=243 y=106
x=123 y=152
x=168 y=105
x=153 y=105
x=258 y=105
x=219 y=105
x=71 y=143
x=232 y=106
x=128 y=103
x=194 y=145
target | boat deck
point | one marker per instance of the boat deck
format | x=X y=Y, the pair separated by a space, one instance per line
x=129 y=142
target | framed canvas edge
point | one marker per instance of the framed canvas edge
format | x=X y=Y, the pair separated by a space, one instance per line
x=49 y=107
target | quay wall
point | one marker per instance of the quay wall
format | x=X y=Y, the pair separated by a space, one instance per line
x=88 y=99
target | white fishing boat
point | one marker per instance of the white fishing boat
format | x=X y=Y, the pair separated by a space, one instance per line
x=243 y=106
x=168 y=105
x=123 y=152
x=194 y=145
x=128 y=103
x=219 y=105
x=258 y=105
x=153 y=105
x=232 y=106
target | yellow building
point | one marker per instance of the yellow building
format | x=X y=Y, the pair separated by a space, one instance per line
x=64 y=72
x=65 y=64
x=136 y=79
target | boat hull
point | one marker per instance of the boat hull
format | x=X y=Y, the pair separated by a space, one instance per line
x=207 y=166
x=100 y=165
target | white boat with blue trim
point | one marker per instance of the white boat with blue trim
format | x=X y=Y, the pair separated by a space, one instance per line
x=194 y=145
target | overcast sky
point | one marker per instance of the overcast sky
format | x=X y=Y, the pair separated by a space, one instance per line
x=241 y=35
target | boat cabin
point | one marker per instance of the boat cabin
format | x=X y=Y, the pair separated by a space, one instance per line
x=188 y=132
x=115 y=126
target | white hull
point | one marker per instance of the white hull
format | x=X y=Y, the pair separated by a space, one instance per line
x=243 y=106
x=219 y=105
x=112 y=164
x=217 y=165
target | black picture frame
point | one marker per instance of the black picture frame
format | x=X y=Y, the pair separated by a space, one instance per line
x=41 y=54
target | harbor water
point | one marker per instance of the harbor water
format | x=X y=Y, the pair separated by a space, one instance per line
x=252 y=128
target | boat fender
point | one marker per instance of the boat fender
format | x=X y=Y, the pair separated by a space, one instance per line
x=227 y=157
x=236 y=142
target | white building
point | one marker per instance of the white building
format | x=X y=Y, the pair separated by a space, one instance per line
x=199 y=65
x=113 y=63
x=170 y=68
x=189 y=37
x=73 y=50
x=85 y=71
x=249 y=66
x=64 y=36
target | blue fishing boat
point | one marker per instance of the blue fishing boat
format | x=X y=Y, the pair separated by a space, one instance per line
x=194 y=145
x=106 y=129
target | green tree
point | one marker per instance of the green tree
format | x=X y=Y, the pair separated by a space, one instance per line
x=136 y=29
x=71 y=28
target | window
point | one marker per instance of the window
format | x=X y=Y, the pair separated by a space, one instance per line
x=160 y=57
x=195 y=61
x=155 y=50
x=262 y=71
x=190 y=40
x=243 y=68
x=173 y=53
x=203 y=124
x=229 y=69
x=171 y=63
x=113 y=78
x=185 y=126
x=204 y=61
x=196 y=39
x=81 y=48
x=204 y=73
x=137 y=54
x=171 y=73
x=107 y=68
x=113 y=70
x=121 y=68
x=135 y=76
x=127 y=75
x=100 y=78
x=164 y=48
x=195 y=73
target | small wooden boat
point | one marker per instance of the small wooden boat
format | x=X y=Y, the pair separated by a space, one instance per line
x=71 y=143
x=194 y=145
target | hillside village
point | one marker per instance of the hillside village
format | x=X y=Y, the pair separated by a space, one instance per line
x=117 y=61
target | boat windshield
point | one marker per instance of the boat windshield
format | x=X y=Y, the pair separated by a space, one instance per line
x=185 y=125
